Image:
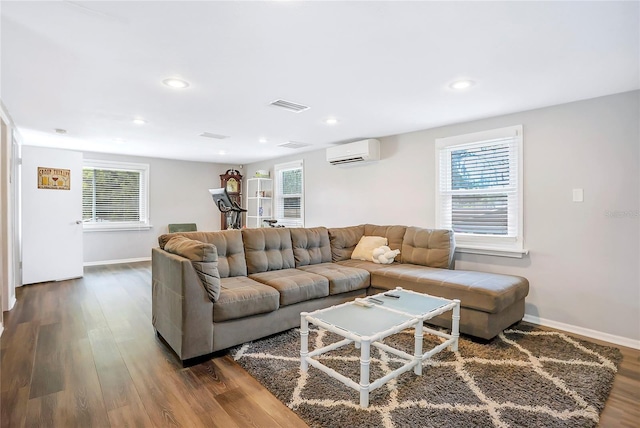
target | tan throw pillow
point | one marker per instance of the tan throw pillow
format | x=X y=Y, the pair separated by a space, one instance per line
x=196 y=251
x=365 y=247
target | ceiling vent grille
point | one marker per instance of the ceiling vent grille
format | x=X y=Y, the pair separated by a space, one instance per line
x=293 y=145
x=290 y=105
x=214 y=136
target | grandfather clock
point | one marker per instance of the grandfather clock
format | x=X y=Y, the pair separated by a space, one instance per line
x=232 y=181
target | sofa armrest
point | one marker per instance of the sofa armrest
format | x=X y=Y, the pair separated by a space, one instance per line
x=182 y=312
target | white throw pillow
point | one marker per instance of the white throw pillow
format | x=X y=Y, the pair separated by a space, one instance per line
x=365 y=247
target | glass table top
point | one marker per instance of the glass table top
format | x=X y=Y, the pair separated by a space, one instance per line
x=411 y=303
x=360 y=320
x=384 y=313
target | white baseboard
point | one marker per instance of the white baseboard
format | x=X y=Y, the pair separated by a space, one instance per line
x=10 y=303
x=115 y=262
x=611 y=338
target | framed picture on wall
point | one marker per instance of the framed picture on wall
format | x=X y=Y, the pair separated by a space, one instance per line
x=54 y=178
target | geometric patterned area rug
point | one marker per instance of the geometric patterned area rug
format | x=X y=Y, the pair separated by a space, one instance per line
x=525 y=377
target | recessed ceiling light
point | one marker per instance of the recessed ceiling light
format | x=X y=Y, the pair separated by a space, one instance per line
x=222 y=152
x=119 y=140
x=262 y=140
x=176 y=83
x=331 y=121
x=60 y=131
x=139 y=121
x=462 y=84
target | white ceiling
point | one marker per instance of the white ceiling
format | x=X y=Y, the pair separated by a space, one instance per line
x=380 y=68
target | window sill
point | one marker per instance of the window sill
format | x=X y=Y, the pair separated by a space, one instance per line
x=499 y=252
x=116 y=228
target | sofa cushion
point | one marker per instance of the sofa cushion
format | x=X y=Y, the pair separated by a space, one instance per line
x=343 y=241
x=394 y=234
x=204 y=258
x=196 y=251
x=210 y=277
x=267 y=249
x=362 y=264
x=310 y=246
x=341 y=278
x=483 y=291
x=366 y=245
x=428 y=247
x=228 y=243
x=294 y=285
x=242 y=297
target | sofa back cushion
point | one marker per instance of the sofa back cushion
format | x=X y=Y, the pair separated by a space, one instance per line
x=428 y=247
x=268 y=249
x=204 y=258
x=343 y=241
x=228 y=244
x=310 y=246
x=394 y=234
x=194 y=250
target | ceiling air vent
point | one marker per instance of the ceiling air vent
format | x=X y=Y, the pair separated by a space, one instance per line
x=289 y=105
x=214 y=136
x=293 y=145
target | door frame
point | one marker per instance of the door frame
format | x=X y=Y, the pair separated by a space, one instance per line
x=9 y=204
x=16 y=189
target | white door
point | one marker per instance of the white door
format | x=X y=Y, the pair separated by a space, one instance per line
x=51 y=214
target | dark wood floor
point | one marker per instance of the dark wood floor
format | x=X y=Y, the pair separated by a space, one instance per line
x=82 y=353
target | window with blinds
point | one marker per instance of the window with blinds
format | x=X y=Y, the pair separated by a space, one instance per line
x=289 y=194
x=479 y=188
x=114 y=195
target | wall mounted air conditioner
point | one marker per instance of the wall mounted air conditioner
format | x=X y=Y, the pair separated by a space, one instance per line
x=359 y=151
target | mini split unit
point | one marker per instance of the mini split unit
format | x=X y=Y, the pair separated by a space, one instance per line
x=360 y=151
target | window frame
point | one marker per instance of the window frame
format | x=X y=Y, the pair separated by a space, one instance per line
x=507 y=246
x=143 y=197
x=278 y=168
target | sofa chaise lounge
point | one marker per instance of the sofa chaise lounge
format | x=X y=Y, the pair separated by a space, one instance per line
x=257 y=281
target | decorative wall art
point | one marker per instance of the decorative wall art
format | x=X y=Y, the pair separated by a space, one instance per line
x=54 y=178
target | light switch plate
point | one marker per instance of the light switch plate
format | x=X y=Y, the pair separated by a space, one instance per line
x=578 y=195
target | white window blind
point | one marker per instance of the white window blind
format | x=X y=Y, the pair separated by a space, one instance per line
x=289 y=194
x=479 y=188
x=114 y=195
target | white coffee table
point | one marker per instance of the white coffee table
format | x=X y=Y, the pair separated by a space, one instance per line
x=366 y=326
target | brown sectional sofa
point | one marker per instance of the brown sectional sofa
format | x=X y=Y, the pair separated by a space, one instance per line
x=269 y=275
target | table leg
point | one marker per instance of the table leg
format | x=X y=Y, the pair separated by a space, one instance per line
x=455 y=325
x=304 y=342
x=365 y=354
x=417 y=353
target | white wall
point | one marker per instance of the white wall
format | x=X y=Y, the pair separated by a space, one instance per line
x=178 y=193
x=583 y=265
